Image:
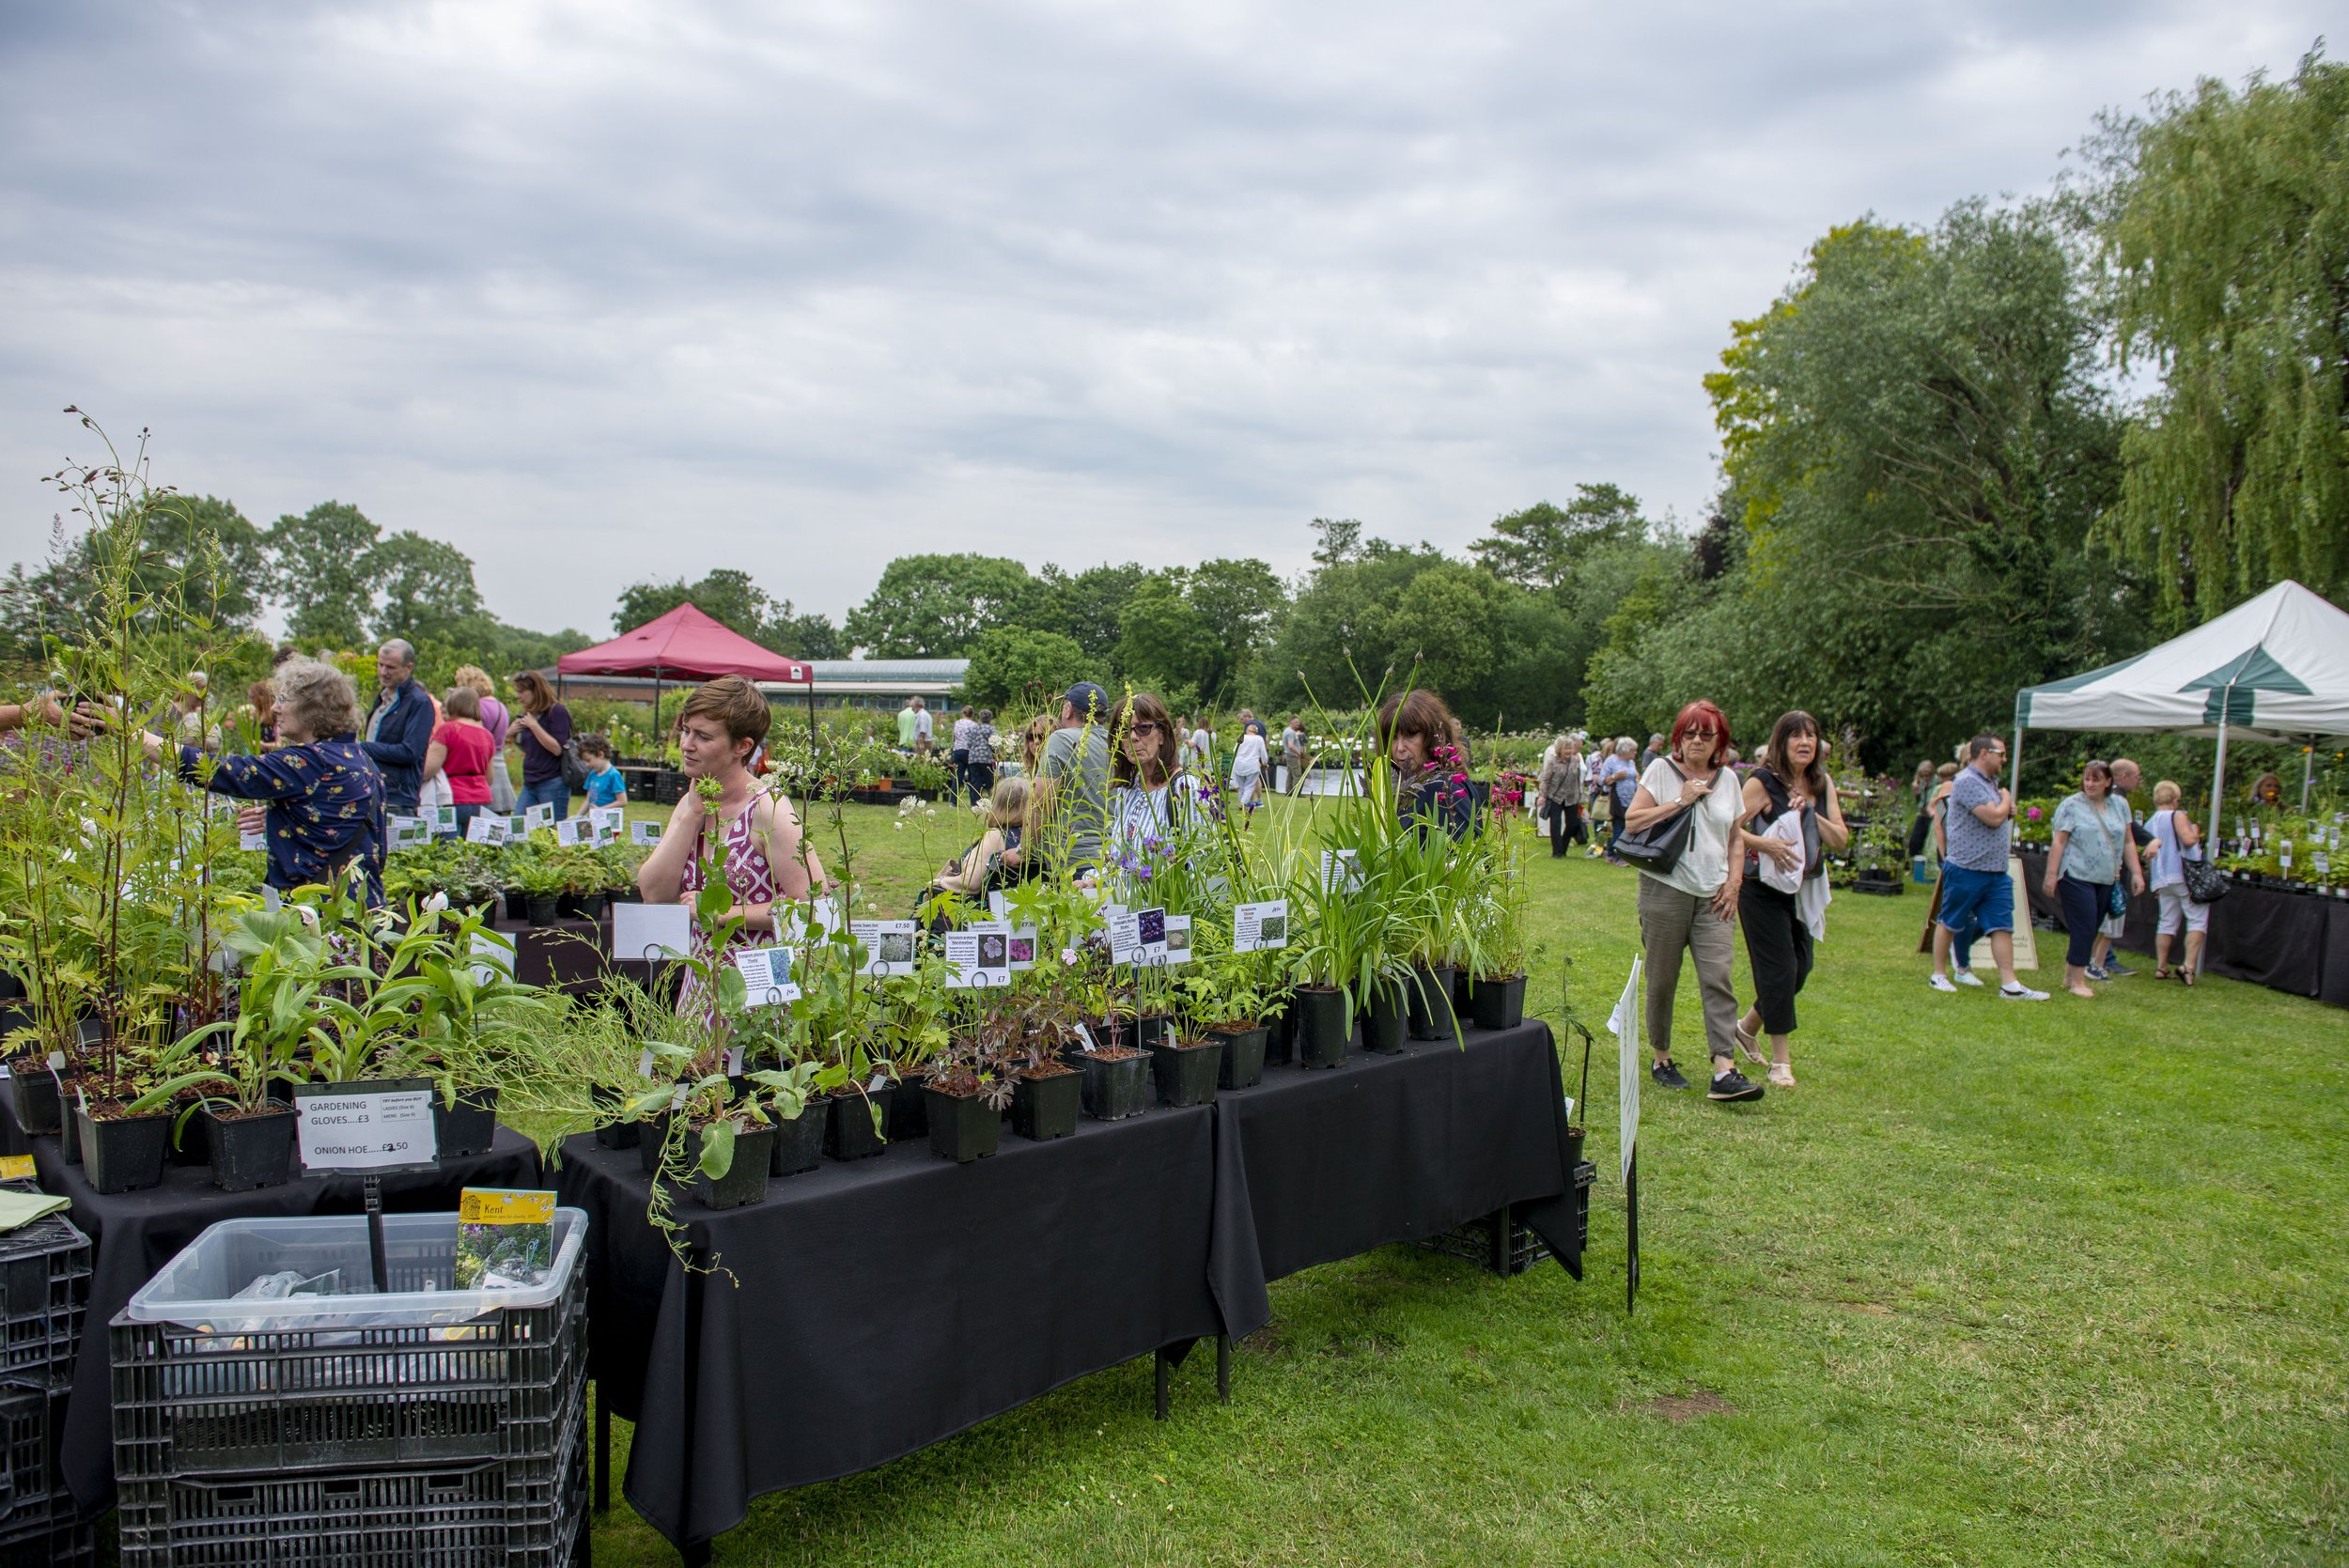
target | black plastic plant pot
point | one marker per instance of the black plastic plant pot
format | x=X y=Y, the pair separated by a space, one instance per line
x=587 y=906
x=1463 y=993
x=963 y=1128
x=248 y=1151
x=1280 y=1041
x=1500 y=1003
x=1321 y=1026
x=467 y=1127
x=745 y=1181
x=1429 y=992
x=33 y=1095
x=1186 y=1074
x=1574 y=1144
x=611 y=1132
x=186 y=1145
x=123 y=1154
x=544 y=908
x=798 y=1142
x=69 y=1135
x=1152 y=1030
x=1046 y=1106
x=1242 y=1067
x=1116 y=1088
x=908 y=1108
x=1387 y=1020
x=848 y=1123
x=517 y=905
x=653 y=1132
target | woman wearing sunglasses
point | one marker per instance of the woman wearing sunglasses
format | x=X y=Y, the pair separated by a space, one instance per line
x=1151 y=796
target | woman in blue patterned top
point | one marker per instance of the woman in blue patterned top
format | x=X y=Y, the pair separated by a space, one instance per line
x=324 y=799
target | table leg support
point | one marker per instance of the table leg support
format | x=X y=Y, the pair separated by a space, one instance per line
x=1224 y=1369
x=1163 y=1367
x=603 y=1453
x=695 y=1553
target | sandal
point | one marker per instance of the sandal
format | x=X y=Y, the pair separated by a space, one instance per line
x=2163 y=971
x=1781 y=1074
x=1749 y=1045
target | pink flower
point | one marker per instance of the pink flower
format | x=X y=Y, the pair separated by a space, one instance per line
x=2034 y=813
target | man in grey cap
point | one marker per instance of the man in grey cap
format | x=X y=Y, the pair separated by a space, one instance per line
x=1078 y=754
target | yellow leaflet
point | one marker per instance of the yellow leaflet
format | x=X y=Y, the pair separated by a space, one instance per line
x=489 y=1205
x=15 y=1168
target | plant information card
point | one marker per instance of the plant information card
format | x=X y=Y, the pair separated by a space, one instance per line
x=488 y=827
x=539 y=816
x=608 y=821
x=573 y=832
x=644 y=832
x=1258 y=926
x=1175 y=949
x=979 y=956
x=887 y=946
x=767 y=970
x=649 y=932
x=408 y=832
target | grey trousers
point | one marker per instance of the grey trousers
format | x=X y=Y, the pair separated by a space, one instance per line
x=1671 y=923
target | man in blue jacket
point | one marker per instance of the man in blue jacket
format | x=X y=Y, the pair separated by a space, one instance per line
x=399 y=731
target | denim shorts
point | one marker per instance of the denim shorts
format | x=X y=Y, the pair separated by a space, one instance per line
x=1983 y=898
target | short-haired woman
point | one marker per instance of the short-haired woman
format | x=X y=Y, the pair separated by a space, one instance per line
x=2092 y=848
x=1791 y=819
x=1249 y=762
x=322 y=808
x=1563 y=791
x=979 y=766
x=2176 y=841
x=767 y=862
x=1422 y=740
x=543 y=728
x=497 y=720
x=1005 y=831
x=1152 y=796
x=461 y=751
x=1689 y=909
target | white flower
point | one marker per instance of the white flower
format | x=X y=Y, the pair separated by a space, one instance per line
x=437 y=903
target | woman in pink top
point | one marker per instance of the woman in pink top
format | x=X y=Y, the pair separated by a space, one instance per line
x=496 y=719
x=461 y=750
x=767 y=863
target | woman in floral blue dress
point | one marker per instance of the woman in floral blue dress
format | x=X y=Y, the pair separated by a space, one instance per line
x=323 y=800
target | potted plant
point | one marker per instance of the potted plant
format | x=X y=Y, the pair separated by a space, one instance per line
x=1503 y=937
x=541 y=883
x=968 y=1094
x=1223 y=1000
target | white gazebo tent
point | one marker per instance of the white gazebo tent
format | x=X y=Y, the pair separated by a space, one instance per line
x=2274 y=668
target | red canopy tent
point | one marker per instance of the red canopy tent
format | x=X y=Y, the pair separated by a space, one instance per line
x=686 y=644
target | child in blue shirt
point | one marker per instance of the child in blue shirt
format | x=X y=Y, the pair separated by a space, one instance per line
x=605 y=787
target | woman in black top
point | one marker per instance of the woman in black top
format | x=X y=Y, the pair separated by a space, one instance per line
x=1778 y=937
x=541 y=729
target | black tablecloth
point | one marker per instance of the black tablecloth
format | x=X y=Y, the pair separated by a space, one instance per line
x=134 y=1234
x=1384 y=1149
x=877 y=1306
x=2263 y=935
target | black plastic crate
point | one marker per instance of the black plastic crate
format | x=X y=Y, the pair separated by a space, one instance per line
x=47 y=1536
x=44 y=1287
x=493 y=1513
x=31 y=1417
x=508 y=1385
x=1503 y=1242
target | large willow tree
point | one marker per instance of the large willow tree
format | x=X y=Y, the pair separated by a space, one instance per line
x=2223 y=226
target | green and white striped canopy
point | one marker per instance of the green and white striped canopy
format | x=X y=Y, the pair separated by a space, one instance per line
x=2275 y=668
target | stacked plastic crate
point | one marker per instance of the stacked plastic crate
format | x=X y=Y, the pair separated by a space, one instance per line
x=1503 y=1242
x=425 y=1425
x=44 y=1287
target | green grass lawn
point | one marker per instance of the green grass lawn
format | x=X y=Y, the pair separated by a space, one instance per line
x=2000 y=1283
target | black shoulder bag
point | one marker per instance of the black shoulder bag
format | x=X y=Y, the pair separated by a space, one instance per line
x=1657 y=848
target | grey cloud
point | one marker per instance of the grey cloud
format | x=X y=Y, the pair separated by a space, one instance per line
x=691 y=285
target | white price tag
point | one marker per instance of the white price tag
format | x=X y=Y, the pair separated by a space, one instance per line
x=642 y=933
x=539 y=816
x=488 y=827
x=256 y=841
x=1341 y=871
x=1124 y=937
x=888 y=945
x=573 y=832
x=644 y=832
x=1258 y=926
x=365 y=1130
x=766 y=973
x=444 y=819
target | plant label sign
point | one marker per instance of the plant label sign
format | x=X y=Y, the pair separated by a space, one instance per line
x=1175 y=949
x=260 y=840
x=767 y=970
x=649 y=932
x=488 y=827
x=1150 y=936
x=492 y=956
x=573 y=832
x=644 y=832
x=796 y=923
x=1258 y=926
x=887 y=946
x=608 y=821
x=1022 y=948
x=410 y=831
x=444 y=819
x=1125 y=937
x=978 y=958
x=1341 y=871
x=539 y=816
x=365 y=1127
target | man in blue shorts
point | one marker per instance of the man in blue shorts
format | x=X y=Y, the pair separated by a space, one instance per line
x=1978 y=822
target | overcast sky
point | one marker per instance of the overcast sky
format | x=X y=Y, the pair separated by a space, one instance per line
x=602 y=291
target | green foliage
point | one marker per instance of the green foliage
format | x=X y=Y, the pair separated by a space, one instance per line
x=937 y=606
x=426 y=587
x=1544 y=546
x=318 y=572
x=2222 y=223
x=1019 y=670
x=730 y=597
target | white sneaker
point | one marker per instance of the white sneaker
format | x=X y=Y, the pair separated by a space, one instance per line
x=2020 y=992
x=1939 y=982
x=1967 y=977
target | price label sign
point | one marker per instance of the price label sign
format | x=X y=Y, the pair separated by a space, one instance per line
x=365 y=1126
x=539 y=816
x=408 y=832
x=488 y=827
x=608 y=821
x=253 y=840
x=644 y=832
x=767 y=976
x=573 y=832
x=1258 y=926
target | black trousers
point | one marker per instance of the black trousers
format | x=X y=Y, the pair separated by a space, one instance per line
x=2083 y=907
x=1565 y=827
x=980 y=777
x=1777 y=948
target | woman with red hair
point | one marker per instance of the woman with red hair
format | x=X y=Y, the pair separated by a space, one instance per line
x=1690 y=908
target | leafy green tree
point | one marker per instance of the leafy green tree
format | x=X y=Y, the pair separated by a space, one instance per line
x=1019 y=668
x=1341 y=540
x=318 y=569
x=935 y=606
x=726 y=595
x=213 y=548
x=1242 y=601
x=1542 y=546
x=1163 y=642
x=2223 y=227
x=1087 y=606
x=426 y=587
x=808 y=636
